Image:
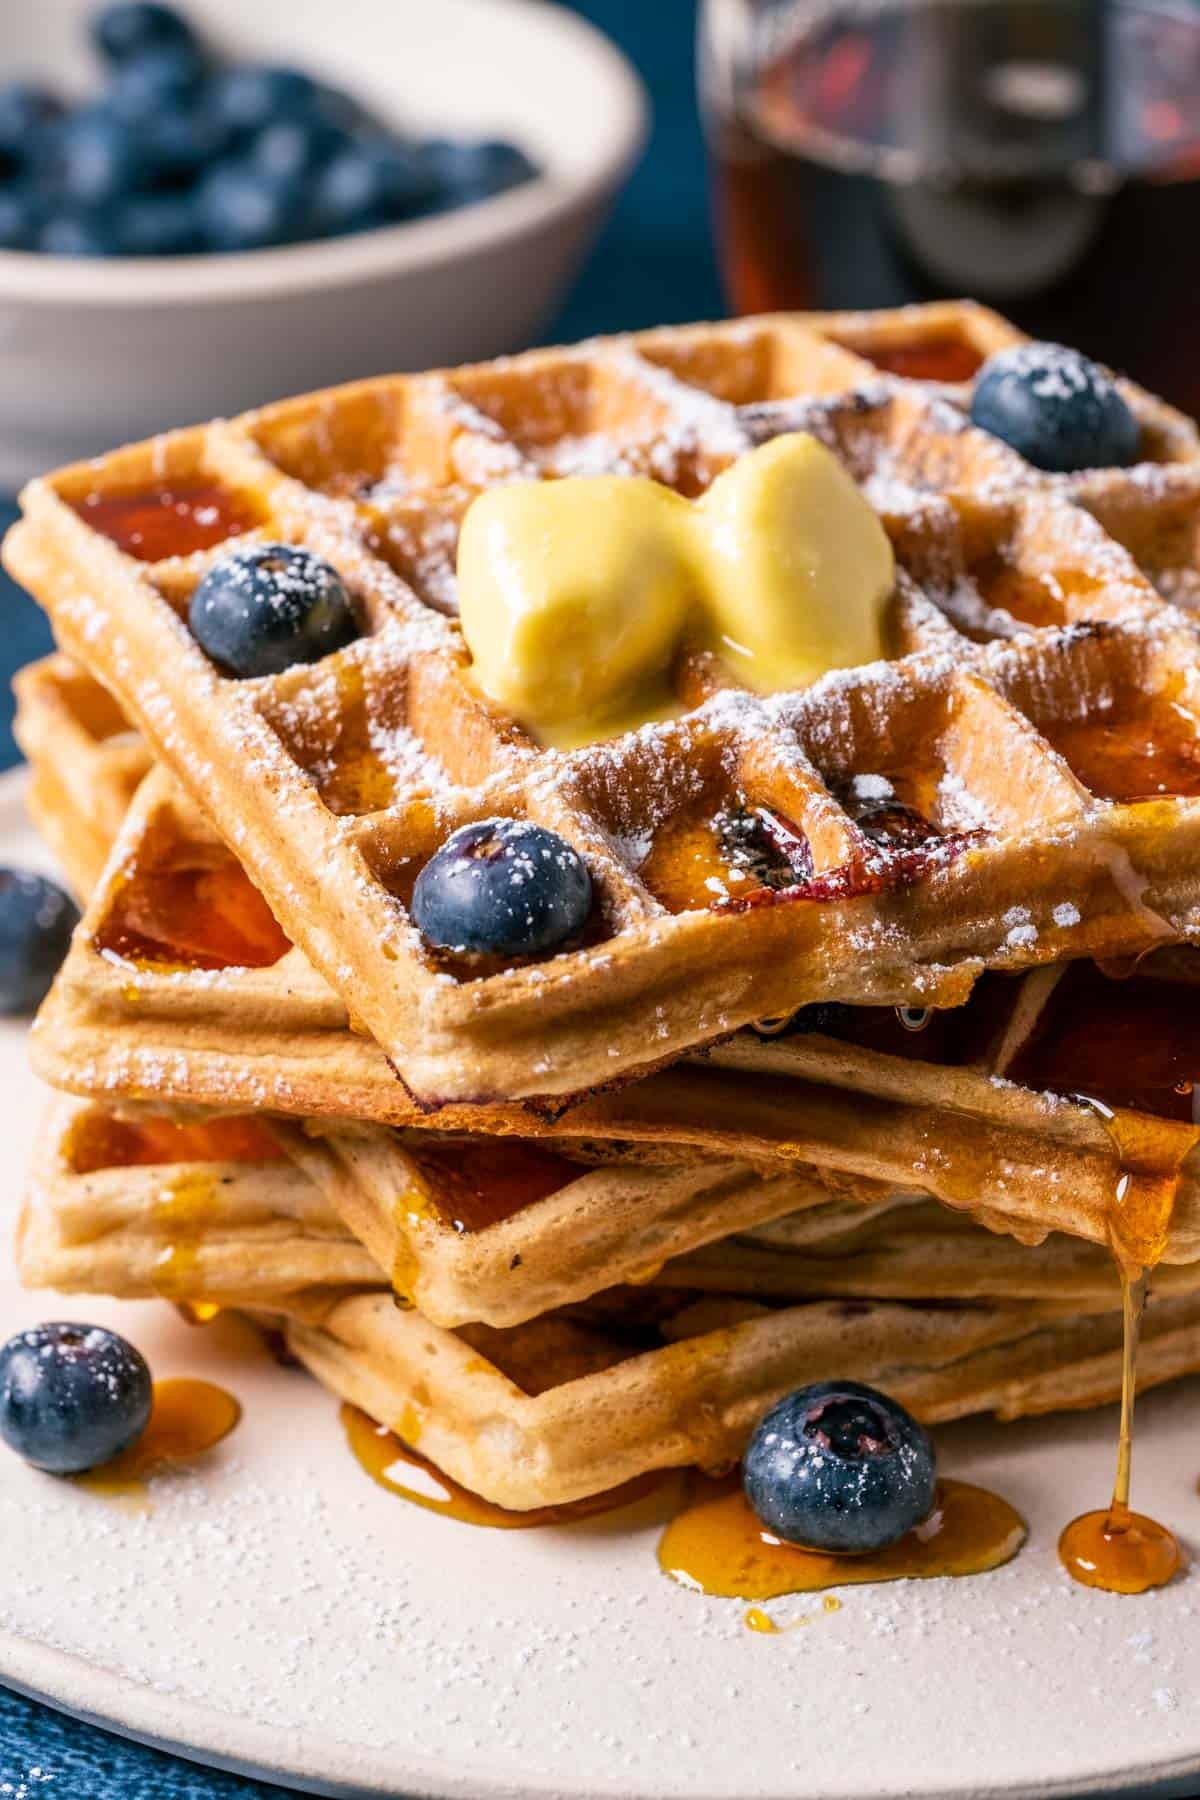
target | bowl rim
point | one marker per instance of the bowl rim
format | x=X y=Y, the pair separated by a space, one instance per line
x=367 y=256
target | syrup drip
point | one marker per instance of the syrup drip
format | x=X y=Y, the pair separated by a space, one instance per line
x=1122 y=1551
x=188 y=1418
x=718 y=1545
x=168 y=521
x=394 y=1466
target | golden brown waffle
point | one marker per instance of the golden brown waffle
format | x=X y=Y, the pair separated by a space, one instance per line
x=553 y=1411
x=198 y=1211
x=503 y=1229
x=579 y=1400
x=908 y=1247
x=861 y=1096
x=86 y=762
x=1043 y=692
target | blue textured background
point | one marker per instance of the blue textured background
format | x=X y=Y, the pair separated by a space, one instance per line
x=653 y=266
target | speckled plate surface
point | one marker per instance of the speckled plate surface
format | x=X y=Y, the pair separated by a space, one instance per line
x=273 y=1611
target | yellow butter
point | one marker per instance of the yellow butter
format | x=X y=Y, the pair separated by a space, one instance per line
x=577 y=596
x=797 y=568
x=573 y=598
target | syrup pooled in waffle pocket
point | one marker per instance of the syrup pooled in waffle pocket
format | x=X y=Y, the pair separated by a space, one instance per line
x=1036 y=696
x=1027 y=658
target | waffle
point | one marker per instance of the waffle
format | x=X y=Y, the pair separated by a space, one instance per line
x=861 y=1096
x=581 y=1399
x=86 y=764
x=198 y=1211
x=1039 y=690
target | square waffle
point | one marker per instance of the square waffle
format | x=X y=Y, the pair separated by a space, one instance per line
x=577 y=1401
x=149 y=1007
x=1036 y=714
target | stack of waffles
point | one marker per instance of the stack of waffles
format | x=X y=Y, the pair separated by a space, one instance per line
x=871 y=1106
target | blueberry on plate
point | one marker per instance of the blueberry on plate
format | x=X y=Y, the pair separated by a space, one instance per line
x=251 y=95
x=1055 y=406
x=260 y=610
x=371 y=182
x=502 y=887
x=72 y=1396
x=36 y=922
x=134 y=27
x=25 y=110
x=839 y=1467
x=156 y=225
x=240 y=207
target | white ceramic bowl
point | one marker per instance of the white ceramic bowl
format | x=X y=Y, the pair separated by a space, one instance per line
x=96 y=353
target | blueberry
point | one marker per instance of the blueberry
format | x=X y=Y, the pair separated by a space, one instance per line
x=370 y=183
x=77 y=233
x=253 y=95
x=156 y=225
x=505 y=887
x=259 y=611
x=133 y=27
x=93 y=157
x=294 y=147
x=473 y=171
x=238 y=207
x=178 y=145
x=838 y=1466
x=19 y=217
x=36 y=922
x=1060 y=410
x=25 y=111
x=72 y=1396
x=146 y=85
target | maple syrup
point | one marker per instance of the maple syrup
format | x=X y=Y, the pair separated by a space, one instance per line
x=939 y=357
x=207 y=917
x=399 y=1469
x=703 y=856
x=174 y=520
x=188 y=1418
x=102 y=1140
x=718 y=1545
x=1028 y=152
x=1128 y=1043
x=1143 y=755
x=1119 y=1550
x=477 y=1182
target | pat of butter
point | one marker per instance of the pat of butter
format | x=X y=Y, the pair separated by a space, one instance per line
x=577 y=596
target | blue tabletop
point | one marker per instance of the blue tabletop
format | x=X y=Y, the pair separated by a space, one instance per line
x=654 y=265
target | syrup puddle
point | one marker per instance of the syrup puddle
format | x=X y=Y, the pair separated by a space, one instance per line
x=398 y=1469
x=187 y=1419
x=719 y=1546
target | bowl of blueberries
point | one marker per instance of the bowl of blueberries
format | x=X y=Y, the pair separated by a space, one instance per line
x=207 y=205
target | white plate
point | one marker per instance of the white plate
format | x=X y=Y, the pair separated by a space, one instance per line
x=277 y=1613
